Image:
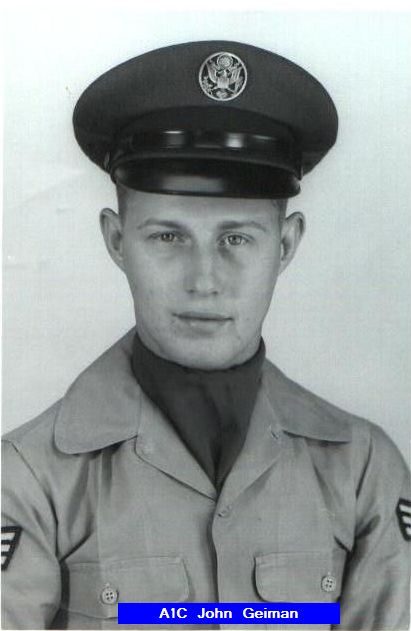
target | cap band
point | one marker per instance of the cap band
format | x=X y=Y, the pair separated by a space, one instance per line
x=162 y=159
x=207 y=177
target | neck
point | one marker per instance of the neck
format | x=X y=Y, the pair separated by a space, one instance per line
x=197 y=362
x=209 y=409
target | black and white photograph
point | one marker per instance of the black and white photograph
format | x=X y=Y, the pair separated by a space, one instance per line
x=206 y=316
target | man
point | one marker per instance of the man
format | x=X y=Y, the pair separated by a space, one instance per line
x=182 y=465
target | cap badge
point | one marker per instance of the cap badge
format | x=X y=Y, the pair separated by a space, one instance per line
x=222 y=76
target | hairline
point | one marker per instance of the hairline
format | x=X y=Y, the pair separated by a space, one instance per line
x=122 y=192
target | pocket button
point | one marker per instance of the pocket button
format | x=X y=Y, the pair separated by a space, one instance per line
x=109 y=595
x=328 y=583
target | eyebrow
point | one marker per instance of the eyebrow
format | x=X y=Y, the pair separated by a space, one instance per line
x=224 y=225
x=160 y=222
x=231 y=225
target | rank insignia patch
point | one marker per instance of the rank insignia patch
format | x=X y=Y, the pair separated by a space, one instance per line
x=404 y=518
x=10 y=536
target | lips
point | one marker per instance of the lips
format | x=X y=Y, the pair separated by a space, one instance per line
x=204 y=316
x=202 y=323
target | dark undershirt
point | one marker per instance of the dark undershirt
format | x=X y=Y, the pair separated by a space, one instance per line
x=210 y=410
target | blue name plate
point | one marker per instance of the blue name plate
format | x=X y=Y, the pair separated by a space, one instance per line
x=229 y=613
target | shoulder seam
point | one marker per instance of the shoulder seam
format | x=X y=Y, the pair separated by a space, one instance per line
x=28 y=465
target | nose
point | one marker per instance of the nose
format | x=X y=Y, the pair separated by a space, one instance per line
x=202 y=272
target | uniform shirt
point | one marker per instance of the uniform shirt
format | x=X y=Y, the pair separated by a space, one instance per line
x=112 y=505
x=209 y=409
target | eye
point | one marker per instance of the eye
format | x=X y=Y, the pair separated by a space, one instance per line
x=233 y=240
x=166 y=237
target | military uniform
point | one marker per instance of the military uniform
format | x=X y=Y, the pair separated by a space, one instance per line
x=114 y=507
x=103 y=501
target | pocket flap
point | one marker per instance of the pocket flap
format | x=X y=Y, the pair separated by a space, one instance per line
x=300 y=576
x=94 y=589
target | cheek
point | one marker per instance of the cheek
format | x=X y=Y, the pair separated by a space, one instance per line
x=256 y=288
x=152 y=283
x=139 y=272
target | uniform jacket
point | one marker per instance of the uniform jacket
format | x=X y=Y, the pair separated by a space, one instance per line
x=109 y=498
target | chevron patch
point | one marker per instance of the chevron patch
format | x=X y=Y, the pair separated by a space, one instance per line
x=10 y=536
x=404 y=518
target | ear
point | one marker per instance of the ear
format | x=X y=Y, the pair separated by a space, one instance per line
x=112 y=229
x=292 y=231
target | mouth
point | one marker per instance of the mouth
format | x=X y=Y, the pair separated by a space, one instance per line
x=202 y=323
x=203 y=316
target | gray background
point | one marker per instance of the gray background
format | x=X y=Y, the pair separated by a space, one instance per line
x=340 y=320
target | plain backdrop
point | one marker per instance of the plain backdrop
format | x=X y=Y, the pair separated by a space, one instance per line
x=340 y=320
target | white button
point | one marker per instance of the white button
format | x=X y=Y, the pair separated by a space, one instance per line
x=109 y=595
x=328 y=583
x=224 y=512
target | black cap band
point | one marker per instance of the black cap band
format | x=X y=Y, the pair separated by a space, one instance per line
x=206 y=162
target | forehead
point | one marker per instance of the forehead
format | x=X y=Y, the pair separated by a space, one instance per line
x=139 y=206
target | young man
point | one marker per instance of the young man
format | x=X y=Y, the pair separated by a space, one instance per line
x=182 y=465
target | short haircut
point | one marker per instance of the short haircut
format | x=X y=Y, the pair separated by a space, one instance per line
x=122 y=194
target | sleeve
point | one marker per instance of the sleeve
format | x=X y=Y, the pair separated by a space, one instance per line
x=376 y=587
x=30 y=570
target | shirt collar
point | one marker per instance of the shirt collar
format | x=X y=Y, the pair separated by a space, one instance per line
x=103 y=405
x=303 y=413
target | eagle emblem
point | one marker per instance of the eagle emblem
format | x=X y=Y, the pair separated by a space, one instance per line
x=222 y=76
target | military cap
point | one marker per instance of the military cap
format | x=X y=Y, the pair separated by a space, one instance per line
x=214 y=118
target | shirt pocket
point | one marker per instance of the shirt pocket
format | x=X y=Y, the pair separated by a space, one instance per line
x=300 y=576
x=94 y=589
